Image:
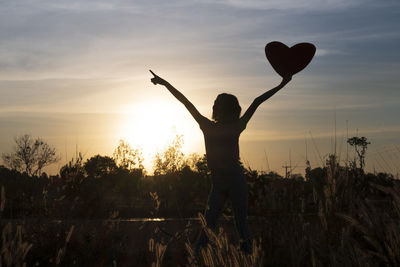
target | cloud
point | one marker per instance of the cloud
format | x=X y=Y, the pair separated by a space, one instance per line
x=320 y=52
x=293 y=4
x=85 y=39
x=206 y=46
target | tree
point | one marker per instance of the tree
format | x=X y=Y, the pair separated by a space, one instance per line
x=98 y=166
x=128 y=158
x=199 y=164
x=360 y=145
x=30 y=155
x=73 y=170
x=172 y=159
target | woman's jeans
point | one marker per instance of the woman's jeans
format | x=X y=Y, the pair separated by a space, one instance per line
x=228 y=184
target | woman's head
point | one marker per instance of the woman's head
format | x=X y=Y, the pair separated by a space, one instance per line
x=226 y=108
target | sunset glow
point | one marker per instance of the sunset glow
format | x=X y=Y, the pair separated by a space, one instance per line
x=153 y=125
x=76 y=74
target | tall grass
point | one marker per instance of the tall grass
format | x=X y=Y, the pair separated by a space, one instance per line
x=356 y=224
x=337 y=216
x=359 y=216
x=13 y=248
x=219 y=251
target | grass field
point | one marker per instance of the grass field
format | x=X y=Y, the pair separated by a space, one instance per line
x=335 y=216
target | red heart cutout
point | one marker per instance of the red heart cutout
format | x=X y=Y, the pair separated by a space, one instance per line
x=289 y=61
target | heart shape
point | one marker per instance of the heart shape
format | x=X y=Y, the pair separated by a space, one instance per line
x=289 y=61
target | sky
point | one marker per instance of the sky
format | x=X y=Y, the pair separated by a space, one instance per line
x=75 y=73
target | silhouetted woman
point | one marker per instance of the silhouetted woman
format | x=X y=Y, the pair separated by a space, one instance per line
x=221 y=138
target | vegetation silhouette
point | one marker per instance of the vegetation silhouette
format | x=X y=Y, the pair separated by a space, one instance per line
x=221 y=138
x=30 y=155
x=360 y=145
x=336 y=215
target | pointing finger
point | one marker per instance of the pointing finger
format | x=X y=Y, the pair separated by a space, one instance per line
x=153 y=73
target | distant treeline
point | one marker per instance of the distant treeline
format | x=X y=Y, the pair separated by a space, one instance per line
x=99 y=188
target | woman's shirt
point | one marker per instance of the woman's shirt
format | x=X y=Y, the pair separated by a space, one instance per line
x=222 y=143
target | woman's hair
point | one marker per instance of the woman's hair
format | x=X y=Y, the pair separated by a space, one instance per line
x=226 y=108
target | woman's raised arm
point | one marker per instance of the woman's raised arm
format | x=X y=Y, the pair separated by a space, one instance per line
x=178 y=95
x=259 y=100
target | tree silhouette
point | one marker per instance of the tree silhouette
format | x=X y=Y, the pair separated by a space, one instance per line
x=128 y=158
x=30 y=155
x=199 y=163
x=360 y=145
x=73 y=170
x=172 y=159
x=99 y=166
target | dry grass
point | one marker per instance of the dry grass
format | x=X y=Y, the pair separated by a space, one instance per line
x=13 y=248
x=356 y=224
x=219 y=252
x=351 y=230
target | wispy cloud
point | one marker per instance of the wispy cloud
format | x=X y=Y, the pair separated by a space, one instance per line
x=294 y=4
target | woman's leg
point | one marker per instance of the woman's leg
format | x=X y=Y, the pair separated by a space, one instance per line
x=216 y=202
x=239 y=198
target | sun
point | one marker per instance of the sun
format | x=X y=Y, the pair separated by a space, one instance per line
x=147 y=126
x=153 y=125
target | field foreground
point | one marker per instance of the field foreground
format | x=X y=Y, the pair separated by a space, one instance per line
x=334 y=216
